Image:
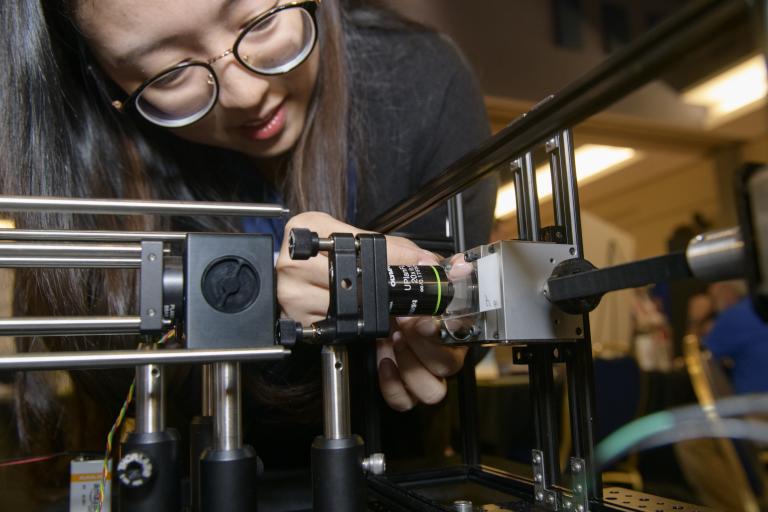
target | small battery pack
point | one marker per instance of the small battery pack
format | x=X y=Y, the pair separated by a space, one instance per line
x=85 y=476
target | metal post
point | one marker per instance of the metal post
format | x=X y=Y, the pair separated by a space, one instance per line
x=227 y=432
x=150 y=399
x=556 y=170
x=336 y=416
x=546 y=427
x=338 y=481
x=207 y=389
x=148 y=471
x=521 y=202
x=530 y=190
x=228 y=469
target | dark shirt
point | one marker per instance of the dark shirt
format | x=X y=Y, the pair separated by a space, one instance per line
x=423 y=110
x=740 y=335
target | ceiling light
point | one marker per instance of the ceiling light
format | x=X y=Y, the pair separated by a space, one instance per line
x=734 y=89
x=591 y=160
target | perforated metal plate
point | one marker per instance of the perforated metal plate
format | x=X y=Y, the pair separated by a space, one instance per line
x=627 y=499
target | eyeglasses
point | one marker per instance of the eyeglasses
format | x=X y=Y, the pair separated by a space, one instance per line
x=273 y=43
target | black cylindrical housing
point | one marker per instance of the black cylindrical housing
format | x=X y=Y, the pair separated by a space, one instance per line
x=200 y=439
x=338 y=481
x=228 y=480
x=418 y=290
x=162 y=493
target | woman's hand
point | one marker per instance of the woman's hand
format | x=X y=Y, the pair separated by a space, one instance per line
x=412 y=362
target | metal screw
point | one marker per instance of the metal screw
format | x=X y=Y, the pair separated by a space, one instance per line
x=537 y=458
x=580 y=508
x=375 y=464
x=151 y=312
x=579 y=488
x=550 y=499
x=567 y=504
x=538 y=477
x=539 y=496
x=152 y=256
x=576 y=466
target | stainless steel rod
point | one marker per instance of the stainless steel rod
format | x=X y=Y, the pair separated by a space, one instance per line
x=81 y=250
x=571 y=192
x=207 y=390
x=138 y=207
x=88 y=236
x=61 y=262
x=336 y=415
x=69 y=325
x=128 y=358
x=528 y=170
x=150 y=399
x=227 y=432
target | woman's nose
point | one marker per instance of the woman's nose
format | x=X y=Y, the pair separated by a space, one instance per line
x=240 y=88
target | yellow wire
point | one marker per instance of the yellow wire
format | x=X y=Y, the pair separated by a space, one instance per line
x=116 y=425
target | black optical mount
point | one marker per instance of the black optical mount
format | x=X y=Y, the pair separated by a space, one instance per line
x=359 y=309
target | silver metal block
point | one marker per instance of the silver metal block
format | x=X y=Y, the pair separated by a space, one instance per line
x=524 y=314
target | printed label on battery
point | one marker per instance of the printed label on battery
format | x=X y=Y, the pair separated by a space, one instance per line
x=489 y=283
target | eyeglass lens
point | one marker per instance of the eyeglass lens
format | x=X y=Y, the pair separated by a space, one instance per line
x=184 y=94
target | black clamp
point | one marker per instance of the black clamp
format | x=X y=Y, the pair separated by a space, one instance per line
x=357 y=267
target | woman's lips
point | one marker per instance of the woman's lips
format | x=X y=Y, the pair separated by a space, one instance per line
x=267 y=129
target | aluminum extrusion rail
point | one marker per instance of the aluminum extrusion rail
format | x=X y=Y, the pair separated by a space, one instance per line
x=618 y=75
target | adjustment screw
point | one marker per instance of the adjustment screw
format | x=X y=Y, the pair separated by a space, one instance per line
x=288 y=332
x=303 y=244
x=375 y=464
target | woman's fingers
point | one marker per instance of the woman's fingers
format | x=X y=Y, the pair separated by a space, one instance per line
x=421 y=335
x=419 y=381
x=392 y=386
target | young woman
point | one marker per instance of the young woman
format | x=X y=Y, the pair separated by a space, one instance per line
x=325 y=107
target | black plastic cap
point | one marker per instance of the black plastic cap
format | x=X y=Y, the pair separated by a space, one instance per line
x=303 y=244
x=288 y=332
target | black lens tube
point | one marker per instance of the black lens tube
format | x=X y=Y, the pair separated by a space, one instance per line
x=418 y=290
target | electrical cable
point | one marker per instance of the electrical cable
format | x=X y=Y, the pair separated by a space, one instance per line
x=32 y=459
x=116 y=425
x=684 y=423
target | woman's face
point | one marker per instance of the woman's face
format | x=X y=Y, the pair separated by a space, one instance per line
x=261 y=116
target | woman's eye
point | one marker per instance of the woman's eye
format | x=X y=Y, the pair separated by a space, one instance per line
x=264 y=24
x=171 y=79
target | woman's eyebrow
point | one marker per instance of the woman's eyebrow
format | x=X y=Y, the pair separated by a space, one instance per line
x=136 y=52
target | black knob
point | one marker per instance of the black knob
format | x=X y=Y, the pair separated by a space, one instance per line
x=303 y=244
x=135 y=469
x=288 y=332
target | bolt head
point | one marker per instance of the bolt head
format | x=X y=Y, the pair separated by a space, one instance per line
x=550 y=499
x=537 y=477
x=537 y=459
x=579 y=488
x=580 y=508
x=539 y=496
x=576 y=466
